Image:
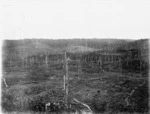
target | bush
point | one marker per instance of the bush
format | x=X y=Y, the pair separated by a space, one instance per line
x=38 y=73
x=7 y=102
x=99 y=103
x=138 y=100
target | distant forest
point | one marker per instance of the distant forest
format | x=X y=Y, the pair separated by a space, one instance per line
x=63 y=43
x=25 y=47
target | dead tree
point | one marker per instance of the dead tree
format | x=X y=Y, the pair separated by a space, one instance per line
x=79 y=67
x=66 y=80
x=10 y=63
x=120 y=65
x=46 y=60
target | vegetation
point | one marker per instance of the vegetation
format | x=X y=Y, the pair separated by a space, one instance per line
x=108 y=91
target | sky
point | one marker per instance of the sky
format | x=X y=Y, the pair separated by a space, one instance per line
x=59 y=19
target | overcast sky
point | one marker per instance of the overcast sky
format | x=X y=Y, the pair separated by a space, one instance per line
x=75 y=19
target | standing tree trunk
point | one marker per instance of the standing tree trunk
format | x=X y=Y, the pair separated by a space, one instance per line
x=120 y=66
x=46 y=60
x=10 y=63
x=66 y=81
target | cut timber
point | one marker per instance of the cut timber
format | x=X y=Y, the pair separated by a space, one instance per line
x=83 y=104
x=129 y=96
x=5 y=82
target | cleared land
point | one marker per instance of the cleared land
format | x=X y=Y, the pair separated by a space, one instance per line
x=31 y=89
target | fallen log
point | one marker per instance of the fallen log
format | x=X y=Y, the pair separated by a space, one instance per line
x=83 y=104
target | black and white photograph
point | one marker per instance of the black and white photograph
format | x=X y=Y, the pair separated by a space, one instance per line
x=75 y=57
